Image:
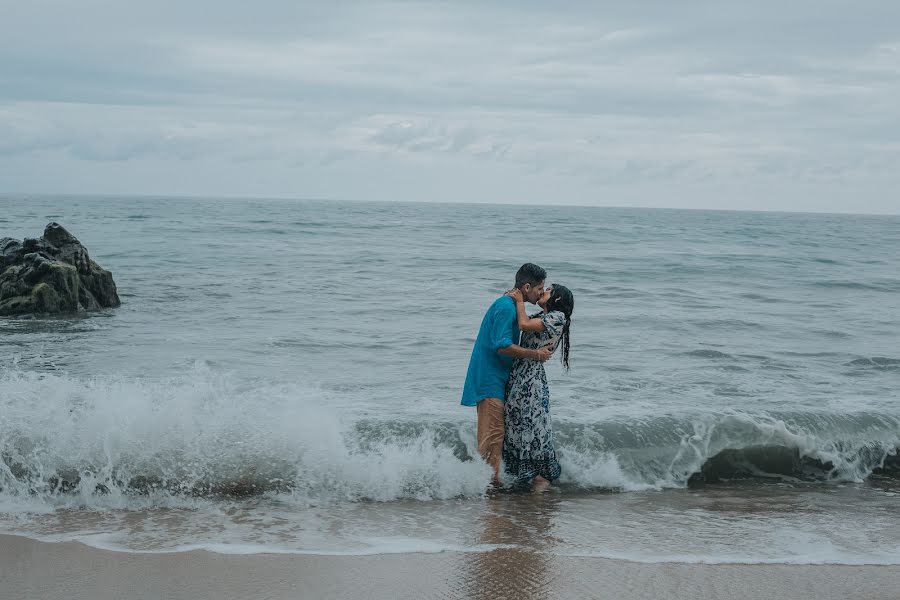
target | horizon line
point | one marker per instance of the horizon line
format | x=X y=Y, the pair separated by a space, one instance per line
x=4 y=194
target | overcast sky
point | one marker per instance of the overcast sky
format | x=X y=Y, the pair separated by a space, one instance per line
x=752 y=105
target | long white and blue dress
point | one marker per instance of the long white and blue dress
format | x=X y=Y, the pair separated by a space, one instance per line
x=528 y=441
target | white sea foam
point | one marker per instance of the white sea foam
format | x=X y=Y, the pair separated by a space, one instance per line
x=363 y=547
x=818 y=557
x=117 y=442
x=200 y=443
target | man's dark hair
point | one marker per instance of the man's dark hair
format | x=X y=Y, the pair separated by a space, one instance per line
x=530 y=273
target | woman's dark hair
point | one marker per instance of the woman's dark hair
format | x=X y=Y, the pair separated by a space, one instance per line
x=530 y=273
x=561 y=299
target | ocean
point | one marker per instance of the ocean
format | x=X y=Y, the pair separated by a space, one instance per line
x=285 y=376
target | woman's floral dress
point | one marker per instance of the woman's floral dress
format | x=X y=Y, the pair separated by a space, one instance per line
x=528 y=441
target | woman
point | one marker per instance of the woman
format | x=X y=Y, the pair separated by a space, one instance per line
x=528 y=442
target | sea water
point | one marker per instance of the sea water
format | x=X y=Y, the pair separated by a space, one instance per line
x=285 y=376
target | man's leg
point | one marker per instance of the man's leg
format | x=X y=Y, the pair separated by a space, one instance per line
x=490 y=432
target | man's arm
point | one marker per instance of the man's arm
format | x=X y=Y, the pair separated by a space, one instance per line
x=517 y=351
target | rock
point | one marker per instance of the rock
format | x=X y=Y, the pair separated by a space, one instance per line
x=52 y=274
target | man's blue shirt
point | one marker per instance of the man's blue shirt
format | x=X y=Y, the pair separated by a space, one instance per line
x=489 y=370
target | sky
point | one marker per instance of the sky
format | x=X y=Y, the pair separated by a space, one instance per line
x=759 y=105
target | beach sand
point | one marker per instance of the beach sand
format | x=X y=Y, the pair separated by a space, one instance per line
x=72 y=571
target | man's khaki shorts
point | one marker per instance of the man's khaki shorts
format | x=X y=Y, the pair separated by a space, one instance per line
x=490 y=430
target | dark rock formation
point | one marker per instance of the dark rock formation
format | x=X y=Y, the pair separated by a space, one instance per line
x=50 y=275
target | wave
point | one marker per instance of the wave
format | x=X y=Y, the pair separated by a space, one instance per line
x=125 y=442
x=875 y=363
x=883 y=285
x=107 y=441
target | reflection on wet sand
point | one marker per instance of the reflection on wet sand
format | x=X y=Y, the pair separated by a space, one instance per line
x=524 y=522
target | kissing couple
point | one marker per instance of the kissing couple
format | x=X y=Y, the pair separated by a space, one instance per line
x=506 y=381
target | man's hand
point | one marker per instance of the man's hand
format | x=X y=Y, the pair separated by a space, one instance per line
x=516 y=295
x=516 y=351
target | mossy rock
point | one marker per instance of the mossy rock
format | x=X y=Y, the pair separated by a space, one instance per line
x=44 y=298
x=52 y=275
x=16 y=305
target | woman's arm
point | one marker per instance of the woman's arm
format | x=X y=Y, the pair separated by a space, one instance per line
x=525 y=322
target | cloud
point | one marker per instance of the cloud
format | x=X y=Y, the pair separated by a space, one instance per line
x=678 y=95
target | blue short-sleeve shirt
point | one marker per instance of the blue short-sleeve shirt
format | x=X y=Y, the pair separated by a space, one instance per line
x=489 y=370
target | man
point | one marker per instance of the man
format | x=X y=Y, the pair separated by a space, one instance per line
x=495 y=348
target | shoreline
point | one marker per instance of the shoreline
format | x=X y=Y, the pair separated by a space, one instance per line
x=75 y=571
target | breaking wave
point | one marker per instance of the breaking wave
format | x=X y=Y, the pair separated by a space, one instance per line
x=127 y=442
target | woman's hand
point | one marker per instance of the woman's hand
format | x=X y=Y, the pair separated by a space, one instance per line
x=516 y=295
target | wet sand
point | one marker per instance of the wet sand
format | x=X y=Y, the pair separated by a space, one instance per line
x=73 y=571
